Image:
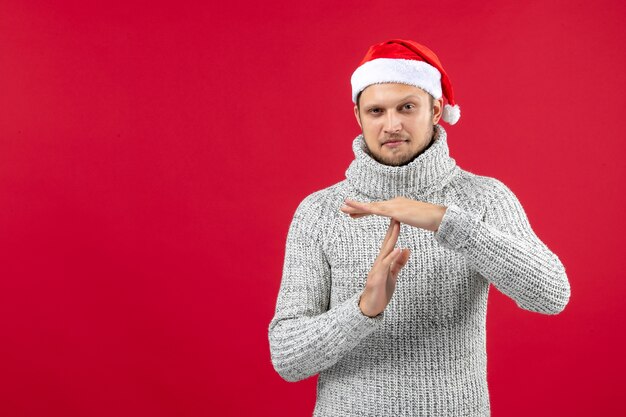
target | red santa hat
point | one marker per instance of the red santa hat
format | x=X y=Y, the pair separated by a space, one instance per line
x=406 y=62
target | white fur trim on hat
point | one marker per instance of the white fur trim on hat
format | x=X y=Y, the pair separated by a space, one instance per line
x=404 y=71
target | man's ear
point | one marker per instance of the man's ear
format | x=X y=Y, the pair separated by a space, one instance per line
x=356 y=114
x=437 y=110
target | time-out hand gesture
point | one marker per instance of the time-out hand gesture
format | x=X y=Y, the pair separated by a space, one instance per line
x=382 y=278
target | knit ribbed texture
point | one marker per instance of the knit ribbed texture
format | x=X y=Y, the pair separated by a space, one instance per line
x=425 y=355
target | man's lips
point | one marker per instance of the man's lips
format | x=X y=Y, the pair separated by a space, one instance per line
x=394 y=142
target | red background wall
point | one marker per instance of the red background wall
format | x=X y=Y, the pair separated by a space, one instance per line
x=152 y=155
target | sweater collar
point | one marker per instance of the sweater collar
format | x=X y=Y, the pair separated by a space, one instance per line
x=428 y=172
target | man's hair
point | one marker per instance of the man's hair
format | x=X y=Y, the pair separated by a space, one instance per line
x=431 y=99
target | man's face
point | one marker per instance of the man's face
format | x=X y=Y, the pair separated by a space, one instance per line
x=396 y=112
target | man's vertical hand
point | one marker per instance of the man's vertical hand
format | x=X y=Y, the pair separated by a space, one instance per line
x=382 y=278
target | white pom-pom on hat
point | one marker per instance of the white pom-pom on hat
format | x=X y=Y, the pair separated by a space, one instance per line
x=451 y=114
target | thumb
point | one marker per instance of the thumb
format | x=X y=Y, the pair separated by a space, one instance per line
x=404 y=258
x=396 y=262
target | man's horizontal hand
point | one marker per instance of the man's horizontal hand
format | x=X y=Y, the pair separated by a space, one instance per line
x=412 y=212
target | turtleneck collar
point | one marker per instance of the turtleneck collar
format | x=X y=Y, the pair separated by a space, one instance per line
x=428 y=172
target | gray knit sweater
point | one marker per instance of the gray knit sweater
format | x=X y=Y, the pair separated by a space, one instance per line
x=425 y=354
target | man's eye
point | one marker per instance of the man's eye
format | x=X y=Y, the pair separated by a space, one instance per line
x=409 y=106
x=374 y=110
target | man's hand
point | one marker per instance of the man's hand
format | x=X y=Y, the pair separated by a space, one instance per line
x=412 y=212
x=381 y=281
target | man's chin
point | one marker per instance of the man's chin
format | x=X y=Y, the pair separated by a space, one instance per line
x=396 y=162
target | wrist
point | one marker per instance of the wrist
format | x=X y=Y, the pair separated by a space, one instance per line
x=364 y=311
x=440 y=212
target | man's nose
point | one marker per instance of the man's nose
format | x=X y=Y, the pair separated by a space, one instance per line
x=392 y=123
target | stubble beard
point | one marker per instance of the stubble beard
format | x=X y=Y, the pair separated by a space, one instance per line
x=394 y=162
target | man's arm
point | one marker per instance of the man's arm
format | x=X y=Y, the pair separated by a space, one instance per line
x=306 y=337
x=505 y=250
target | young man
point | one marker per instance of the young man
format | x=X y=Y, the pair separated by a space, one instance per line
x=401 y=332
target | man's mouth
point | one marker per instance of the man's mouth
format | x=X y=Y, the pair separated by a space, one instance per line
x=394 y=142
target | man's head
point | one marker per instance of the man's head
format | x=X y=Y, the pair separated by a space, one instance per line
x=398 y=91
x=389 y=112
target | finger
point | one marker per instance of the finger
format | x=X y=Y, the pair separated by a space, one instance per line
x=348 y=209
x=357 y=205
x=388 y=244
x=354 y=203
x=393 y=238
x=399 y=262
x=374 y=207
x=405 y=256
x=390 y=259
x=383 y=245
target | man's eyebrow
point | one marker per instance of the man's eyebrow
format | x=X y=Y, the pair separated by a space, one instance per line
x=412 y=95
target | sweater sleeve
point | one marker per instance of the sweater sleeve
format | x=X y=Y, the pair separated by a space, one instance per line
x=505 y=250
x=305 y=336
